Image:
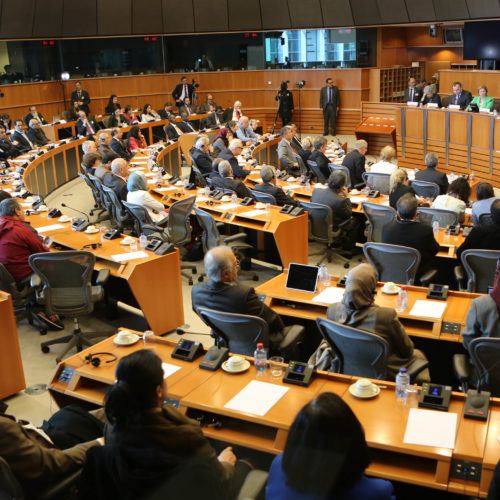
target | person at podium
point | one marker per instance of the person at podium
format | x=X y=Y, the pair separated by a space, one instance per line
x=430 y=97
x=483 y=100
x=460 y=96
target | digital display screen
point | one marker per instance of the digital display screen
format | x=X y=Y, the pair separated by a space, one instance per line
x=435 y=390
x=187 y=344
x=302 y=277
x=438 y=288
x=299 y=368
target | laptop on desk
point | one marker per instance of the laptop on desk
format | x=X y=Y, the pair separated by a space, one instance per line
x=302 y=277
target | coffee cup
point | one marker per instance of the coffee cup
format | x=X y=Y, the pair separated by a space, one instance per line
x=364 y=387
x=390 y=287
x=235 y=362
x=123 y=335
x=127 y=240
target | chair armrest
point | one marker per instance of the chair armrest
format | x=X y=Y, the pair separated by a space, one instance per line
x=294 y=334
x=460 y=277
x=426 y=278
x=56 y=490
x=254 y=485
x=416 y=366
x=462 y=369
x=235 y=237
x=102 y=276
x=35 y=280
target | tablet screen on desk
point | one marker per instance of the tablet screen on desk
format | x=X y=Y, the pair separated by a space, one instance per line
x=302 y=277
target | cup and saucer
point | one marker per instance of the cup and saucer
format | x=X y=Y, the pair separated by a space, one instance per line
x=92 y=230
x=64 y=218
x=390 y=288
x=354 y=192
x=236 y=364
x=127 y=240
x=125 y=337
x=364 y=389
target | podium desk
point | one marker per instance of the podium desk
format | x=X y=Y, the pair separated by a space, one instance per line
x=378 y=132
x=52 y=131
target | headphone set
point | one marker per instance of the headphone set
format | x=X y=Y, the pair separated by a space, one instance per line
x=95 y=360
x=92 y=245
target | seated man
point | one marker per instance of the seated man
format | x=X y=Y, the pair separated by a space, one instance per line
x=7 y=148
x=406 y=231
x=20 y=139
x=36 y=134
x=105 y=167
x=34 y=114
x=186 y=107
x=230 y=154
x=18 y=240
x=355 y=162
x=117 y=144
x=86 y=127
x=269 y=186
x=430 y=174
x=201 y=154
x=223 y=293
x=117 y=179
x=89 y=147
x=90 y=162
x=104 y=143
x=286 y=153
x=318 y=155
x=226 y=181
x=336 y=197
x=172 y=130
x=215 y=167
x=460 y=96
x=166 y=113
x=186 y=125
x=244 y=132
x=486 y=236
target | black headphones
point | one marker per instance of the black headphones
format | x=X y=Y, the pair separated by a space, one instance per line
x=92 y=245
x=94 y=360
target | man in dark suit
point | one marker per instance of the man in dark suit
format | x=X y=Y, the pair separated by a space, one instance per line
x=86 y=127
x=355 y=162
x=36 y=134
x=413 y=93
x=186 y=107
x=117 y=178
x=104 y=143
x=117 y=144
x=223 y=293
x=329 y=102
x=409 y=233
x=226 y=181
x=230 y=154
x=81 y=98
x=318 y=156
x=487 y=236
x=201 y=154
x=20 y=138
x=269 y=186
x=186 y=125
x=430 y=174
x=7 y=149
x=166 y=113
x=34 y=114
x=460 y=96
x=208 y=106
x=181 y=91
x=214 y=119
x=172 y=130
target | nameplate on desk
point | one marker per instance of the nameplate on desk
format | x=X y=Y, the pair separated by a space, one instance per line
x=411 y=103
x=484 y=110
x=253 y=213
x=122 y=257
x=52 y=227
x=432 y=105
x=453 y=106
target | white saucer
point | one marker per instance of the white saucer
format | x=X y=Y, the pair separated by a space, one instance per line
x=131 y=339
x=355 y=192
x=375 y=389
x=127 y=243
x=63 y=220
x=391 y=293
x=244 y=368
x=92 y=232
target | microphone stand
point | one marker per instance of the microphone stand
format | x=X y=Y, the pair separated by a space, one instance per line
x=280 y=93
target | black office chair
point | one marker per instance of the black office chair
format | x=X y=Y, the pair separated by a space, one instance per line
x=396 y=263
x=485 y=220
x=120 y=217
x=103 y=200
x=67 y=291
x=318 y=174
x=95 y=193
x=300 y=161
x=425 y=189
x=240 y=333
x=263 y=197
x=333 y=167
x=196 y=177
x=444 y=217
x=361 y=353
x=478 y=270
x=378 y=217
x=481 y=368
x=320 y=225
x=143 y=223
x=378 y=181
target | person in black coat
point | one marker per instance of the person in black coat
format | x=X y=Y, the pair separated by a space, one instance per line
x=36 y=134
x=172 y=130
x=486 y=237
x=182 y=91
x=34 y=114
x=226 y=181
x=431 y=97
x=20 y=139
x=269 y=186
x=117 y=144
x=413 y=93
x=230 y=154
x=430 y=174
x=85 y=126
x=398 y=186
x=81 y=98
x=409 y=233
x=460 y=96
x=318 y=155
x=355 y=162
x=117 y=178
x=166 y=113
x=201 y=154
x=285 y=107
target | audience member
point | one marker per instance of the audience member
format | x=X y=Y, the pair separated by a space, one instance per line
x=456 y=198
x=208 y=106
x=136 y=140
x=234 y=113
x=231 y=155
x=112 y=105
x=6 y=121
x=181 y=91
x=4 y=195
x=118 y=145
x=172 y=130
x=430 y=174
x=485 y=196
x=186 y=107
x=244 y=132
x=306 y=150
x=117 y=119
x=186 y=125
x=36 y=134
x=222 y=140
x=89 y=147
x=148 y=114
x=355 y=162
x=200 y=153
x=214 y=119
x=33 y=113
x=226 y=181
x=129 y=115
x=86 y=127
x=386 y=164
x=104 y=167
x=117 y=178
x=295 y=143
x=286 y=153
x=269 y=186
x=104 y=139
x=7 y=148
x=203 y=64
x=166 y=113
x=138 y=194
x=325 y=456
x=90 y=162
x=318 y=156
x=20 y=139
x=398 y=186
x=81 y=98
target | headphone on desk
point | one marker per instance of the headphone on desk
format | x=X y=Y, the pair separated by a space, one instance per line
x=94 y=360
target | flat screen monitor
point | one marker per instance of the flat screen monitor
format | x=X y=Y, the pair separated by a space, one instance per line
x=481 y=40
x=302 y=277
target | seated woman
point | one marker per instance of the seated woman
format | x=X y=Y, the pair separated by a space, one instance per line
x=325 y=457
x=129 y=115
x=385 y=165
x=147 y=441
x=456 y=198
x=90 y=162
x=485 y=197
x=431 y=97
x=117 y=119
x=136 y=140
x=112 y=104
x=148 y=114
x=306 y=149
x=358 y=309
x=138 y=194
x=483 y=100
x=398 y=186
x=222 y=140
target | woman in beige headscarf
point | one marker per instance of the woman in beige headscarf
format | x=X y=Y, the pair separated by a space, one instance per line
x=358 y=310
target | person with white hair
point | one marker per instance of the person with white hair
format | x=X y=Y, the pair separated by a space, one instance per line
x=234 y=113
x=355 y=162
x=225 y=180
x=230 y=154
x=104 y=139
x=117 y=178
x=286 y=152
x=268 y=175
x=244 y=132
x=89 y=147
x=385 y=165
x=200 y=153
x=36 y=134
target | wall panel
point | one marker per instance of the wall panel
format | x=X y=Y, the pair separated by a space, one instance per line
x=244 y=15
x=78 y=21
x=423 y=10
x=483 y=8
x=305 y=14
x=210 y=15
x=275 y=15
x=392 y=11
x=14 y=25
x=365 y=12
x=178 y=17
x=336 y=13
x=147 y=17
x=448 y=10
x=114 y=17
x=48 y=18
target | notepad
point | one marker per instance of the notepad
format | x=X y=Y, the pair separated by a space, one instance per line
x=199 y=199
x=257 y=398
x=169 y=369
x=133 y=169
x=121 y=257
x=357 y=199
x=162 y=189
x=52 y=227
x=228 y=206
x=428 y=309
x=431 y=428
x=253 y=213
x=329 y=295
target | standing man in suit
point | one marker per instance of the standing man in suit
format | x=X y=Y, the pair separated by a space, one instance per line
x=20 y=138
x=430 y=174
x=81 y=98
x=285 y=152
x=269 y=186
x=355 y=162
x=34 y=114
x=230 y=154
x=117 y=144
x=181 y=91
x=460 y=96
x=117 y=178
x=413 y=93
x=329 y=102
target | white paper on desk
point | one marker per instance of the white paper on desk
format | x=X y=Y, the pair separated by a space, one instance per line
x=150 y=174
x=320 y=186
x=133 y=169
x=52 y=227
x=9 y=190
x=152 y=181
x=428 y=309
x=253 y=213
x=257 y=398
x=140 y=162
x=292 y=186
x=431 y=428
x=357 y=199
x=227 y=206
x=170 y=188
x=129 y=256
x=329 y=295
x=26 y=204
x=201 y=198
x=468 y=211
x=169 y=369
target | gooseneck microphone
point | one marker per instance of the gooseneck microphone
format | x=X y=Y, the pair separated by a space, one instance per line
x=76 y=210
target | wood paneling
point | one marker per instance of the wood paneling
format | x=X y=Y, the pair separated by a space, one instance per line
x=210 y=15
x=423 y=10
x=392 y=11
x=471 y=80
x=483 y=8
x=114 y=17
x=275 y=15
x=178 y=17
x=244 y=15
x=448 y=10
x=78 y=21
x=365 y=12
x=147 y=17
x=305 y=14
x=16 y=18
x=337 y=13
x=48 y=18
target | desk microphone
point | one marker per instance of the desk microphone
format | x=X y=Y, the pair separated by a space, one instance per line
x=76 y=210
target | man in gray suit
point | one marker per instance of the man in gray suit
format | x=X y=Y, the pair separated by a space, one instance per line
x=329 y=102
x=285 y=152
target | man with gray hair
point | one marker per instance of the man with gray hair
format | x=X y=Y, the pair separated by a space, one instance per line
x=104 y=142
x=355 y=162
x=117 y=178
x=244 y=132
x=223 y=293
x=230 y=154
x=430 y=174
x=200 y=153
x=36 y=134
x=269 y=186
x=89 y=147
x=286 y=152
x=226 y=181
x=318 y=156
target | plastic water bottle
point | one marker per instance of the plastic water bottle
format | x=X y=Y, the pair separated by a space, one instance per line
x=234 y=198
x=402 y=299
x=207 y=190
x=302 y=179
x=308 y=186
x=186 y=182
x=260 y=358
x=143 y=241
x=367 y=190
x=435 y=226
x=278 y=173
x=323 y=275
x=471 y=177
x=402 y=382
